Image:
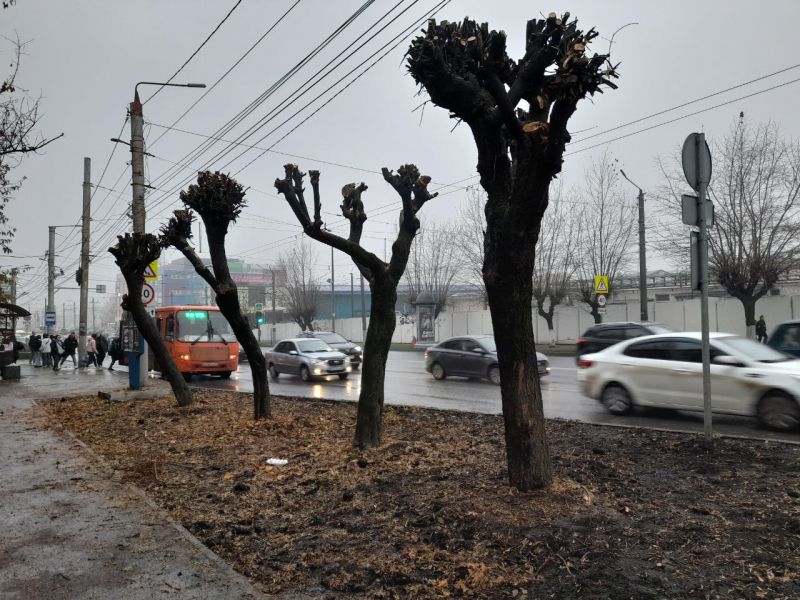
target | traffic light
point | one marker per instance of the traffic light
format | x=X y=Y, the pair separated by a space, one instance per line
x=260 y=320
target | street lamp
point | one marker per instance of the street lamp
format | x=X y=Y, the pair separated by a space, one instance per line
x=137 y=180
x=642 y=253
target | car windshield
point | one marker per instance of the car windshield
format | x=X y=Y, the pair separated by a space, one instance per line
x=313 y=346
x=753 y=350
x=658 y=328
x=487 y=343
x=331 y=338
x=198 y=326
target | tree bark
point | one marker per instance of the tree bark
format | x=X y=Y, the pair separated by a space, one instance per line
x=147 y=327
x=382 y=322
x=749 y=305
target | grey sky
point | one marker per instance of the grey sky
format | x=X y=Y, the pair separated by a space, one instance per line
x=84 y=57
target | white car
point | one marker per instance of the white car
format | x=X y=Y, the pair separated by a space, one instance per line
x=666 y=371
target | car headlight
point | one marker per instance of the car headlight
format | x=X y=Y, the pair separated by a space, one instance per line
x=357 y=348
x=317 y=361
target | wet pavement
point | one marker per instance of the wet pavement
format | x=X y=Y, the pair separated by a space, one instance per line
x=70 y=530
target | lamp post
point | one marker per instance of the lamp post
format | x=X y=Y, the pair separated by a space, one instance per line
x=137 y=207
x=642 y=254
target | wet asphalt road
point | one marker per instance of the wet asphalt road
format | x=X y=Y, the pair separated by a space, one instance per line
x=408 y=384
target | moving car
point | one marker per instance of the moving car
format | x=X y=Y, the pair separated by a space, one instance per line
x=470 y=356
x=604 y=335
x=786 y=338
x=337 y=342
x=307 y=357
x=666 y=371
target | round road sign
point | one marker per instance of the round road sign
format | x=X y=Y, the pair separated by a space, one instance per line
x=696 y=159
x=148 y=293
x=601 y=300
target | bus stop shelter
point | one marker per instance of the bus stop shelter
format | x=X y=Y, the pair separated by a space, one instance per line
x=9 y=313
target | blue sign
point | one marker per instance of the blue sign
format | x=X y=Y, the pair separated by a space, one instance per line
x=50 y=318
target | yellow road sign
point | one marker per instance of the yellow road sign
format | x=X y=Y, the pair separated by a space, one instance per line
x=601 y=284
x=151 y=272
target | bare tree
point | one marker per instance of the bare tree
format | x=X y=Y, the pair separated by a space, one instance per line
x=470 y=239
x=755 y=188
x=383 y=278
x=301 y=293
x=606 y=231
x=555 y=266
x=133 y=254
x=465 y=69
x=219 y=200
x=434 y=263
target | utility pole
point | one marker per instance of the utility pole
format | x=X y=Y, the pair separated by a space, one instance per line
x=333 y=298
x=14 y=285
x=51 y=275
x=74 y=316
x=94 y=326
x=137 y=205
x=87 y=196
x=272 y=336
x=363 y=314
x=642 y=254
x=352 y=298
x=64 y=315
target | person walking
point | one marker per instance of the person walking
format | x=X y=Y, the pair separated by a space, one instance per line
x=91 y=351
x=761 y=330
x=70 y=345
x=102 y=348
x=55 y=352
x=46 y=358
x=35 y=345
x=30 y=347
x=115 y=351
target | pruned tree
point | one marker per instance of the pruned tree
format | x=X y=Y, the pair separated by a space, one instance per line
x=383 y=277
x=471 y=233
x=554 y=266
x=434 y=263
x=133 y=254
x=465 y=69
x=301 y=293
x=219 y=200
x=755 y=188
x=606 y=229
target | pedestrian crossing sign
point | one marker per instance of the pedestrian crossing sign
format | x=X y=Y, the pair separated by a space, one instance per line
x=151 y=272
x=601 y=284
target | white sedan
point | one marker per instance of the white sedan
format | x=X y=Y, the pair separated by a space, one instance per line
x=666 y=371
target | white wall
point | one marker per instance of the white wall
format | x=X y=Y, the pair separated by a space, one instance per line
x=349 y=328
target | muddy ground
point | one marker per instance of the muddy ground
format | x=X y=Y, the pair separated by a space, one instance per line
x=632 y=513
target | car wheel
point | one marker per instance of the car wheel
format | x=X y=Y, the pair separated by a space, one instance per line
x=779 y=411
x=437 y=370
x=617 y=400
x=187 y=376
x=305 y=374
x=494 y=374
x=225 y=375
x=343 y=376
x=273 y=372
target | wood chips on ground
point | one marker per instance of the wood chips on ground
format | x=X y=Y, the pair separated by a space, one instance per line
x=632 y=514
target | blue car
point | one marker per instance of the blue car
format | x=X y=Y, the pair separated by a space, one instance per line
x=786 y=338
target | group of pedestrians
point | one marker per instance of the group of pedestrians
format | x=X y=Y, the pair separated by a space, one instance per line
x=50 y=351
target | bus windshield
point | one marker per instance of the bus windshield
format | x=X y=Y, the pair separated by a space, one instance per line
x=203 y=326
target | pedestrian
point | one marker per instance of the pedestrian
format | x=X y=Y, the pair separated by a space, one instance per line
x=35 y=345
x=102 y=348
x=30 y=348
x=55 y=352
x=70 y=345
x=761 y=330
x=115 y=351
x=91 y=351
x=46 y=358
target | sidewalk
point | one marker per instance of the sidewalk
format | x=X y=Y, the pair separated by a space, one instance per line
x=71 y=532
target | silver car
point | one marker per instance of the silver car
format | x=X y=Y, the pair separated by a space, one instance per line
x=308 y=357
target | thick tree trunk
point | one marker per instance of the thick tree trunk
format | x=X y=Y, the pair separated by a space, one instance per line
x=749 y=305
x=369 y=422
x=508 y=272
x=595 y=312
x=228 y=302
x=147 y=327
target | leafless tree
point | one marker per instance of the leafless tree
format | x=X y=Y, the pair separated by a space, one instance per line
x=755 y=188
x=555 y=265
x=133 y=254
x=465 y=69
x=606 y=231
x=219 y=200
x=301 y=293
x=434 y=263
x=383 y=278
x=470 y=239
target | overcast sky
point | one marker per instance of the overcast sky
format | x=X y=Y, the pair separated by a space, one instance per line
x=84 y=58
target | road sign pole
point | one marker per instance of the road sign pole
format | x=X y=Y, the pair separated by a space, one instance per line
x=700 y=141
